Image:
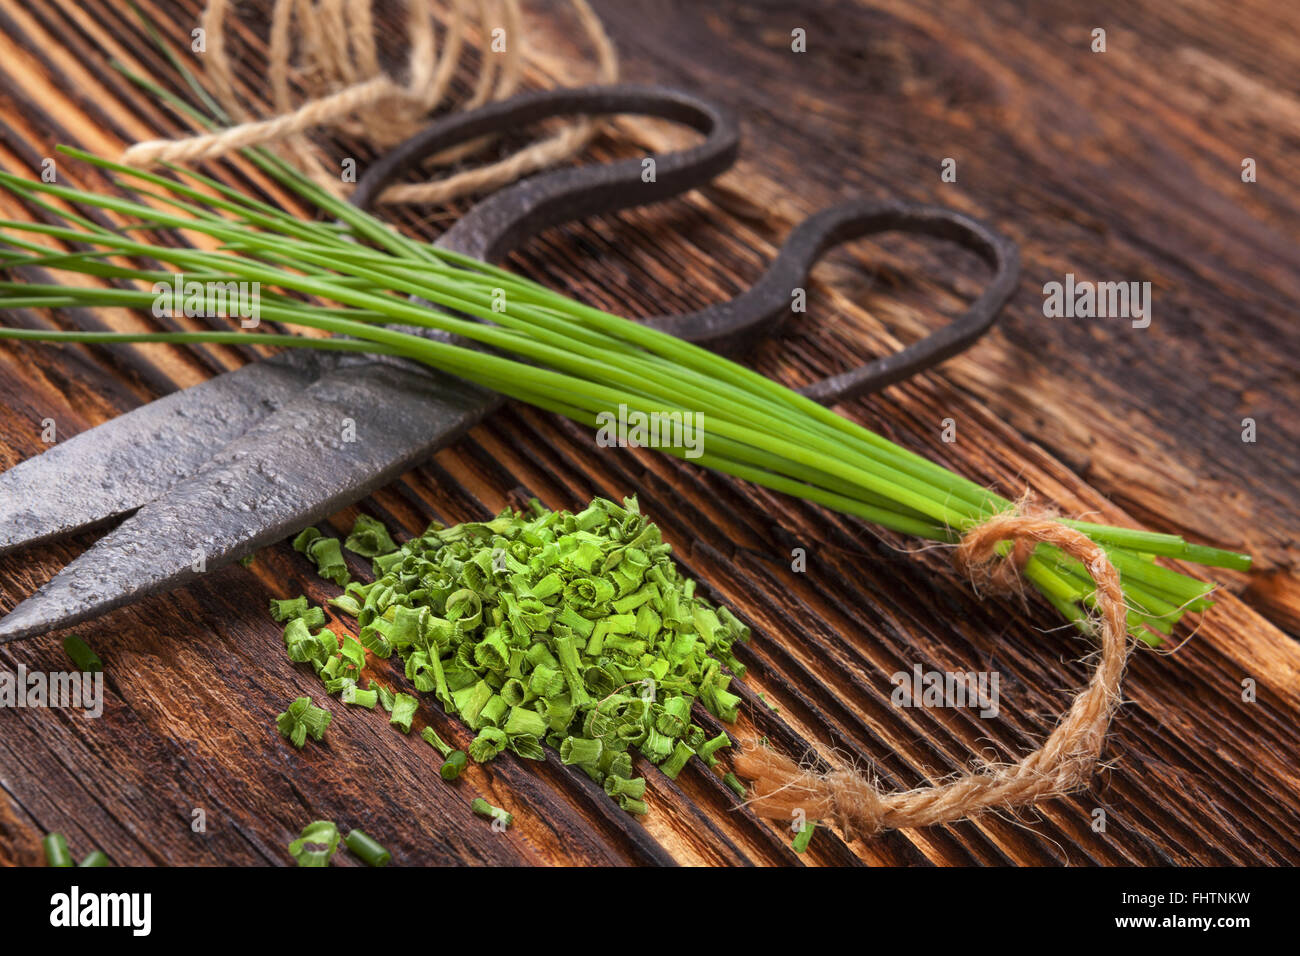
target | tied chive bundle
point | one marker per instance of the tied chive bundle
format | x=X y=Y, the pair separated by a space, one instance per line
x=569 y=629
x=355 y=279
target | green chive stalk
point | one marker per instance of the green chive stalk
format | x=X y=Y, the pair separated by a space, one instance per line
x=364 y=846
x=356 y=279
x=56 y=850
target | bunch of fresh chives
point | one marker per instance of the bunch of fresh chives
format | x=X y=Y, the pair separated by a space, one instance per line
x=354 y=278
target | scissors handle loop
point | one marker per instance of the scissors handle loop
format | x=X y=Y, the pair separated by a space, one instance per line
x=505 y=220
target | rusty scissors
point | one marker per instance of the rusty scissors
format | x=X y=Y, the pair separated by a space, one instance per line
x=247 y=458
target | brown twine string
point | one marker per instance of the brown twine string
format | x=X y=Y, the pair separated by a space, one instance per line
x=346 y=89
x=1063 y=763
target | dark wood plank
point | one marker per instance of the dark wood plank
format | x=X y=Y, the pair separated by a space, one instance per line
x=1114 y=166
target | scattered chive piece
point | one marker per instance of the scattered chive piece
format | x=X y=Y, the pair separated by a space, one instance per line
x=622 y=787
x=454 y=761
x=628 y=793
x=404 y=708
x=369 y=538
x=677 y=760
x=633 y=806
x=79 y=651
x=802 y=838
x=579 y=750
x=288 y=608
x=431 y=738
x=386 y=696
x=486 y=810
x=316 y=845
x=304 y=539
x=56 y=850
x=732 y=781
x=371 y=853
x=489 y=743
x=302 y=718
x=353 y=657
x=328 y=555
x=95 y=858
x=314 y=617
x=302 y=645
x=325 y=552
x=352 y=694
x=347 y=604
x=707 y=749
x=451 y=767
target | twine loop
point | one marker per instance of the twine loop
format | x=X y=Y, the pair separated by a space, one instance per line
x=345 y=88
x=1065 y=761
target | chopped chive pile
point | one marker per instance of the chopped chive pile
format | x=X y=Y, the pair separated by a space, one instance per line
x=574 y=630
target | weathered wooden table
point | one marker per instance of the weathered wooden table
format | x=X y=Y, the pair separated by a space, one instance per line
x=1116 y=166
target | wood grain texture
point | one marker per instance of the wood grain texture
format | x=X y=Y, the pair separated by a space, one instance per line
x=1115 y=166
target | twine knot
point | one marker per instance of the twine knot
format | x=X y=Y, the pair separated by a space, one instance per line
x=977 y=556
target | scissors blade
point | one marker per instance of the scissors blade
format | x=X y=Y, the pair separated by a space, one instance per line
x=117 y=466
x=294 y=467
